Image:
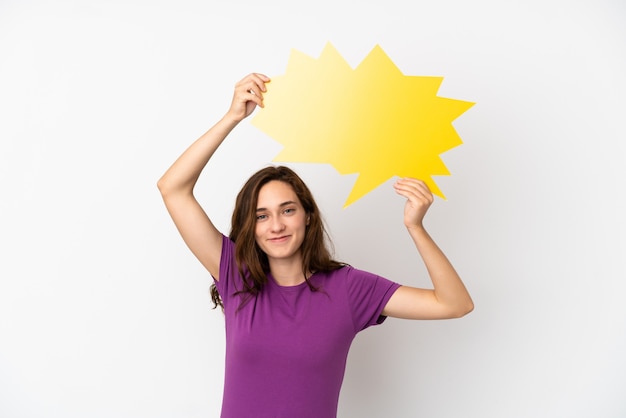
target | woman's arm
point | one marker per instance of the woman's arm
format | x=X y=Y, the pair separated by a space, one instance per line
x=177 y=184
x=449 y=297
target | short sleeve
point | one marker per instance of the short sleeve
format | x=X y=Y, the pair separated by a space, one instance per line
x=368 y=295
x=228 y=270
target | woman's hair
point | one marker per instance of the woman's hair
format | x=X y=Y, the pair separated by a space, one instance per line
x=251 y=261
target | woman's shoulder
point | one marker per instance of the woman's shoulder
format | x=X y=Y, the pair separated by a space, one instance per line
x=348 y=270
x=346 y=273
x=354 y=278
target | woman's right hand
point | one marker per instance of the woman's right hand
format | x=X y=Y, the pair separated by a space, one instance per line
x=248 y=95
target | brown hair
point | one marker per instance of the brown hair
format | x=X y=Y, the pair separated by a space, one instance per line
x=252 y=262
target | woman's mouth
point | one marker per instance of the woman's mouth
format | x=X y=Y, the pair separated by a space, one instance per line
x=279 y=240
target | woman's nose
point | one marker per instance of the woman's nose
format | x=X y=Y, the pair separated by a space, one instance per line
x=276 y=224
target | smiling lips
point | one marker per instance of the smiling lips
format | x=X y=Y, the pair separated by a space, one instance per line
x=279 y=239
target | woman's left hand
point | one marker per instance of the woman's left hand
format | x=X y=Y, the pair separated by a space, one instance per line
x=419 y=198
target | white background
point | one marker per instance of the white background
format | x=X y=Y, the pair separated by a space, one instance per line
x=105 y=313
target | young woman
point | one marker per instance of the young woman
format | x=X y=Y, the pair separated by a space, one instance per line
x=291 y=311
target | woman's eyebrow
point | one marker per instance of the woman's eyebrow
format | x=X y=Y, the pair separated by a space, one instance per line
x=289 y=202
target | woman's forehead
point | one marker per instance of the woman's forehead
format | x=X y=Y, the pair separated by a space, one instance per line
x=276 y=193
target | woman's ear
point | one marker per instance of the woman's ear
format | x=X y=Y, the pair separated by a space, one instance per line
x=308 y=219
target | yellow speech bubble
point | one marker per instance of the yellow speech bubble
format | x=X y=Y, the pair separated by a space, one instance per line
x=371 y=120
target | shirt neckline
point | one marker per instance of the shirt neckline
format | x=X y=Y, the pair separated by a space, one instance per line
x=272 y=280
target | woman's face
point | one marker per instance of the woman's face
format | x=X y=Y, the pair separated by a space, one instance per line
x=280 y=222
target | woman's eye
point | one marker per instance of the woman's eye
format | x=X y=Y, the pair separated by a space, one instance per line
x=289 y=211
x=261 y=217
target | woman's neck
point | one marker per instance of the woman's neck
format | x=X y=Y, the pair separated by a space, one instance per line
x=287 y=273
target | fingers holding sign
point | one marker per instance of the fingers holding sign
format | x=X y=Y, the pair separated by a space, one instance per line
x=248 y=95
x=419 y=198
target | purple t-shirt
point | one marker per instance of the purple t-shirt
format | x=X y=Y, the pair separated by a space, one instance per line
x=286 y=348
